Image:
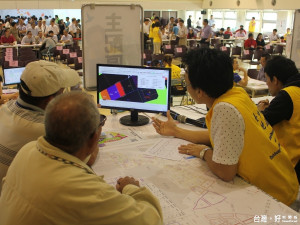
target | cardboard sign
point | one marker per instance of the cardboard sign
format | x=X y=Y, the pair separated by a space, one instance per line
x=168 y=46
x=73 y=54
x=13 y=63
x=267 y=46
x=179 y=50
x=66 y=51
x=246 y=52
x=59 y=48
x=252 y=46
x=79 y=59
x=9 y=50
x=224 y=48
x=8 y=58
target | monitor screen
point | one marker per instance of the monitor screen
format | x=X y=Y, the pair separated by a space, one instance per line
x=12 y=75
x=133 y=87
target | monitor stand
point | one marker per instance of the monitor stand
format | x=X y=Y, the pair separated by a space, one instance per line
x=134 y=119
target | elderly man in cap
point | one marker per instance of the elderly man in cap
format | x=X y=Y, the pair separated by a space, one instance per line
x=22 y=120
x=50 y=183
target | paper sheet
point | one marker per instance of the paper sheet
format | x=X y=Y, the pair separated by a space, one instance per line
x=167 y=148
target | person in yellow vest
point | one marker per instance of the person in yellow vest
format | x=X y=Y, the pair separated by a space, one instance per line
x=252 y=25
x=238 y=140
x=283 y=112
x=156 y=19
x=156 y=38
x=175 y=70
x=288 y=32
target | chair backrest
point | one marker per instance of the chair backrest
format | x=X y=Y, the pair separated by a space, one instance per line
x=158 y=57
x=168 y=49
x=257 y=54
x=278 y=49
x=179 y=51
x=269 y=49
x=247 y=55
x=225 y=50
x=236 y=51
x=192 y=43
x=214 y=41
x=78 y=65
x=252 y=73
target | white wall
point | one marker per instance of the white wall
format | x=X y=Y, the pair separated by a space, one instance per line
x=251 y=4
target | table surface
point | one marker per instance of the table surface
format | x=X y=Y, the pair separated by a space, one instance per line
x=188 y=191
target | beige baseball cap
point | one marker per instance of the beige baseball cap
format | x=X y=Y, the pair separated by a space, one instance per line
x=45 y=78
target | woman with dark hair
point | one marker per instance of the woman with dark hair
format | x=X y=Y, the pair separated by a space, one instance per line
x=175 y=70
x=238 y=140
x=260 y=41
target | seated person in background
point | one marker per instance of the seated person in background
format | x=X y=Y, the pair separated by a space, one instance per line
x=283 y=112
x=155 y=63
x=6 y=97
x=228 y=31
x=260 y=42
x=53 y=36
x=191 y=34
x=263 y=61
x=236 y=77
x=7 y=38
x=175 y=70
x=240 y=33
x=50 y=183
x=39 y=38
x=66 y=38
x=164 y=35
x=48 y=44
x=220 y=33
x=237 y=141
x=288 y=32
x=274 y=36
x=250 y=43
x=33 y=28
x=241 y=28
x=23 y=118
x=15 y=31
x=28 y=39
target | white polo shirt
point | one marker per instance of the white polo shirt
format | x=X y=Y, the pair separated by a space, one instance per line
x=20 y=123
x=54 y=28
x=67 y=38
x=72 y=28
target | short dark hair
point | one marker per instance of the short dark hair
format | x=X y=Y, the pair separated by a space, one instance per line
x=67 y=17
x=281 y=67
x=250 y=35
x=28 y=32
x=209 y=70
x=182 y=21
x=241 y=25
x=13 y=24
x=266 y=55
x=275 y=30
x=253 y=17
x=155 y=62
x=73 y=19
x=52 y=20
x=156 y=18
x=228 y=27
x=222 y=29
x=205 y=21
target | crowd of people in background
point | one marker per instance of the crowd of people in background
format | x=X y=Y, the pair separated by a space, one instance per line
x=175 y=29
x=33 y=30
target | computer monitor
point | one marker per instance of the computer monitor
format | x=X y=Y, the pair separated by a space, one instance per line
x=133 y=88
x=12 y=75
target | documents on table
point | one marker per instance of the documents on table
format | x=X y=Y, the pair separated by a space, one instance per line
x=167 y=148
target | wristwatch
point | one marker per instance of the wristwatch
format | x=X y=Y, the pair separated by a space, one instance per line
x=203 y=152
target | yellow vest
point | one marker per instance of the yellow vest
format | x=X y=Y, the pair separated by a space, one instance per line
x=263 y=162
x=252 y=26
x=288 y=131
x=151 y=31
x=155 y=33
x=175 y=71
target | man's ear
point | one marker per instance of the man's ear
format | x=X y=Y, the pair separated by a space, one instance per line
x=93 y=140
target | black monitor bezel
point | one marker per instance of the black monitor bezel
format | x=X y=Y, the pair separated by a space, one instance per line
x=138 y=67
x=5 y=78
